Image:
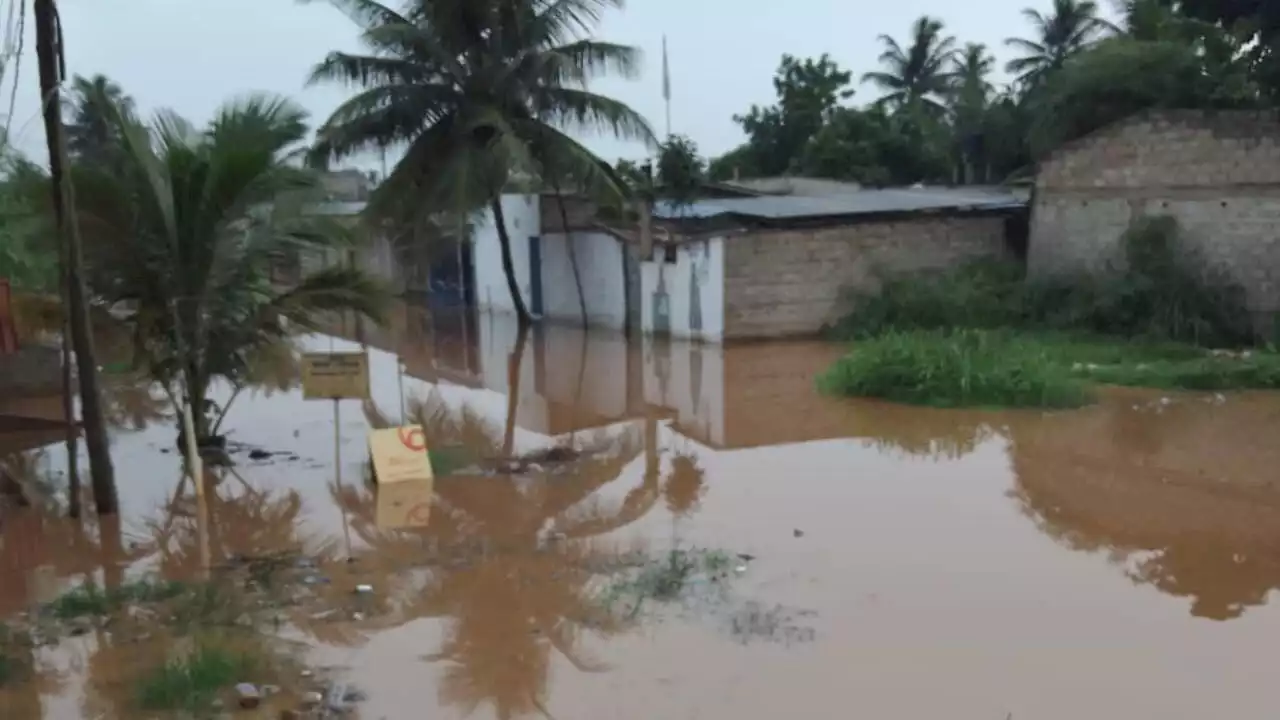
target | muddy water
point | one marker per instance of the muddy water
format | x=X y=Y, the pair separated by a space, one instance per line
x=898 y=563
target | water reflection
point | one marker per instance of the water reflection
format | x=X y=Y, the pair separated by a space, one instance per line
x=512 y=560
x=1179 y=493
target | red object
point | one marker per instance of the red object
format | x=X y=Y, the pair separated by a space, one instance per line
x=8 y=332
x=413 y=438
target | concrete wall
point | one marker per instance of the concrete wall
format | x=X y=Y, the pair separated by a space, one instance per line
x=601 y=265
x=523 y=222
x=792 y=282
x=689 y=291
x=1217 y=174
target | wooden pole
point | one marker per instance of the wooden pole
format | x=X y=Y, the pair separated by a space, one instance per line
x=52 y=61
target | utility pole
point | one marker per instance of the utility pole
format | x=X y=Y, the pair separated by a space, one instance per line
x=53 y=70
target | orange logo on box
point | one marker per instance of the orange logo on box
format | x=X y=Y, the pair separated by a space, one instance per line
x=399 y=455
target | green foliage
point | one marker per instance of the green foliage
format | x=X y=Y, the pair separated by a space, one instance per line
x=981 y=294
x=89 y=600
x=1066 y=31
x=93 y=136
x=1121 y=77
x=1160 y=289
x=919 y=76
x=681 y=172
x=202 y=217
x=192 y=682
x=807 y=91
x=28 y=246
x=493 y=111
x=961 y=368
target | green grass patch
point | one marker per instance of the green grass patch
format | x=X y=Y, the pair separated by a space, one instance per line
x=669 y=578
x=194 y=681
x=994 y=368
x=964 y=368
x=87 y=601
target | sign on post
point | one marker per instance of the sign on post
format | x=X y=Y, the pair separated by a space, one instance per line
x=335 y=375
x=400 y=455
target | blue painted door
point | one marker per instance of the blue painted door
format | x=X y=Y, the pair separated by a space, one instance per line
x=535 y=275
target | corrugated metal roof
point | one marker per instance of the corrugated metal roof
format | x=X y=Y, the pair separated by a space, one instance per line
x=339 y=208
x=863 y=202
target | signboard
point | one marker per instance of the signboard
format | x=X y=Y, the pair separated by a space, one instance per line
x=335 y=375
x=403 y=504
x=400 y=455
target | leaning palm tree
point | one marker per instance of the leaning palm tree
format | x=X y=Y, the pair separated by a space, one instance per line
x=201 y=215
x=918 y=76
x=1070 y=27
x=480 y=93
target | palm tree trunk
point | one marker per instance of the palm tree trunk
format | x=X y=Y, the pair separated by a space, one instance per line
x=50 y=56
x=508 y=266
x=573 y=255
x=513 y=390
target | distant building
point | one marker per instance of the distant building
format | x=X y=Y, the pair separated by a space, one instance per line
x=735 y=268
x=348 y=185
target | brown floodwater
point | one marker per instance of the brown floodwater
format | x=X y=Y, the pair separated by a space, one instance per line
x=1117 y=561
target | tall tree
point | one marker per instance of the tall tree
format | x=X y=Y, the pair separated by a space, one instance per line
x=478 y=92
x=681 y=171
x=970 y=95
x=920 y=75
x=807 y=92
x=52 y=59
x=1071 y=26
x=92 y=133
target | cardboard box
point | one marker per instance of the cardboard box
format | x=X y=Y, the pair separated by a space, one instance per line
x=403 y=504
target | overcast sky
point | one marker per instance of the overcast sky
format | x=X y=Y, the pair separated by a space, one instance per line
x=189 y=55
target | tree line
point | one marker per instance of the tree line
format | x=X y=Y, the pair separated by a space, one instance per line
x=941 y=118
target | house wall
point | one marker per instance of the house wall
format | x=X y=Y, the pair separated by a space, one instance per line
x=523 y=222
x=693 y=288
x=1217 y=174
x=602 y=268
x=791 y=282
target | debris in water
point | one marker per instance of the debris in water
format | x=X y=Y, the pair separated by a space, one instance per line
x=259 y=454
x=797 y=533
x=248 y=696
x=364 y=589
x=746 y=557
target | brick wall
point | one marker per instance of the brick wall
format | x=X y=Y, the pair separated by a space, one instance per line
x=791 y=282
x=1218 y=174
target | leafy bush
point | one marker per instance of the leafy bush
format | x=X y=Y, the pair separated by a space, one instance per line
x=963 y=368
x=980 y=294
x=1161 y=290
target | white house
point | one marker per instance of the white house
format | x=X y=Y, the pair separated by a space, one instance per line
x=677 y=291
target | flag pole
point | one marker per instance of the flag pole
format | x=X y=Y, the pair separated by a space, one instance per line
x=666 y=84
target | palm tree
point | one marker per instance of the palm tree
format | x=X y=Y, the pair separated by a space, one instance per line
x=971 y=92
x=480 y=93
x=1070 y=27
x=92 y=134
x=201 y=216
x=920 y=75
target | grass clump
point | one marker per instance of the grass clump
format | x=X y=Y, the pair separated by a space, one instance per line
x=1159 y=288
x=670 y=577
x=193 y=682
x=88 y=600
x=963 y=368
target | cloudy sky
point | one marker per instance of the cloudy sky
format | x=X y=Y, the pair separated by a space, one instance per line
x=190 y=55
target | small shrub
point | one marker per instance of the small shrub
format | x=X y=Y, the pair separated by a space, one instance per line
x=980 y=294
x=965 y=368
x=192 y=682
x=1161 y=289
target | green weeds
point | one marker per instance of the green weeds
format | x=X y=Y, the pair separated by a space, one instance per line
x=669 y=578
x=192 y=682
x=981 y=335
x=965 y=368
x=88 y=600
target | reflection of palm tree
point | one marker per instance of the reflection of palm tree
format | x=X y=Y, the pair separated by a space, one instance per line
x=528 y=592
